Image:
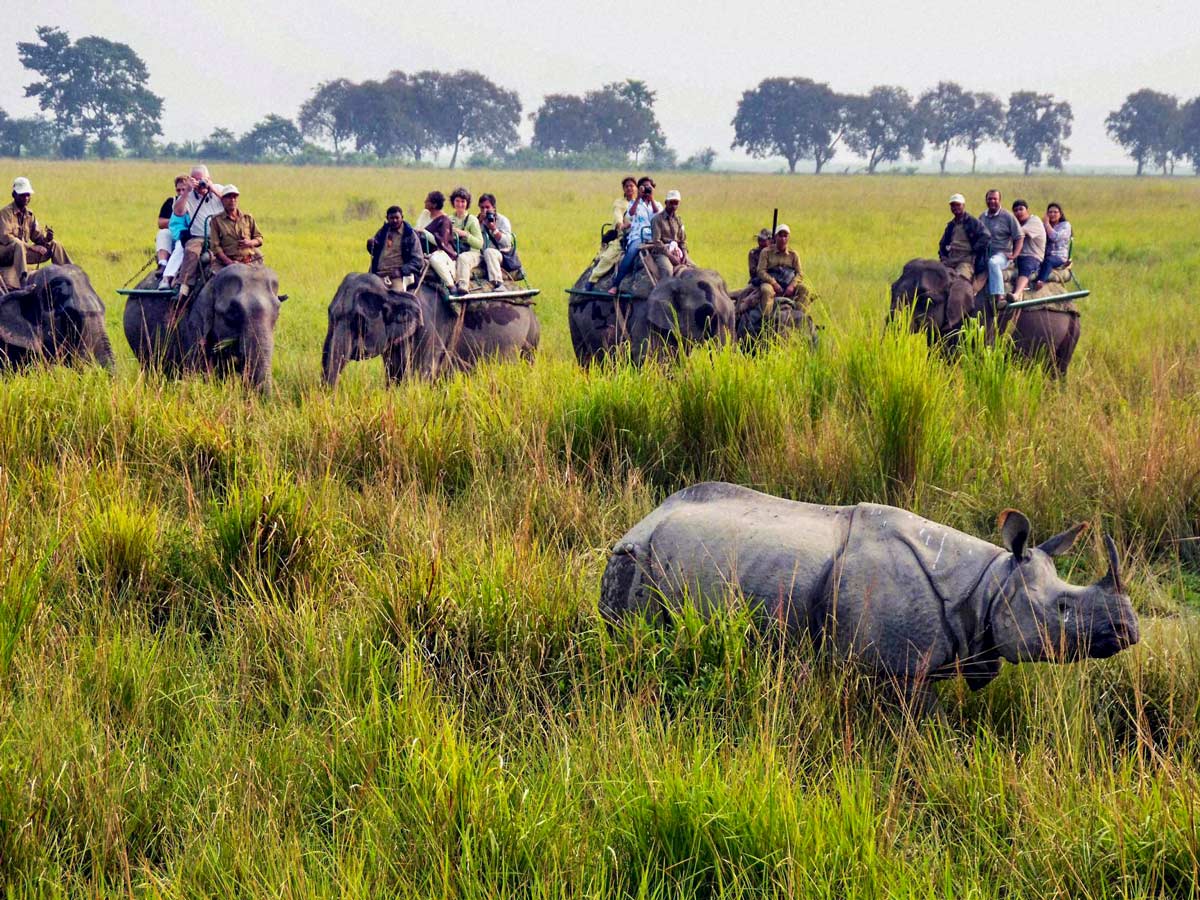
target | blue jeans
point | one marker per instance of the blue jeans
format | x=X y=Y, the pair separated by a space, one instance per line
x=628 y=261
x=1049 y=264
x=997 y=263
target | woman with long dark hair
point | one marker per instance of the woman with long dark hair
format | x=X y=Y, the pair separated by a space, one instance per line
x=1058 y=243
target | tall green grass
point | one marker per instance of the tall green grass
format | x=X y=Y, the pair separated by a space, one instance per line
x=347 y=644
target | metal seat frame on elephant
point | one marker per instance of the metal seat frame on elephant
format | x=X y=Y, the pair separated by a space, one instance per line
x=521 y=293
x=146 y=292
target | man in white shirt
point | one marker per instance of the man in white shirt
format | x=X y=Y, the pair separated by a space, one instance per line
x=200 y=202
x=641 y=212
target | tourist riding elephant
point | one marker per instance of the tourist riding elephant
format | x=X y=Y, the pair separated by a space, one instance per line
x=56 y=316
x=228 y=326
x=938 y=303
x=687 y=308
x=422 y=333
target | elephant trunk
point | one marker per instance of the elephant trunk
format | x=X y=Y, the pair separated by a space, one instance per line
x=334 y=354
x=258 y=348
x=102 y=350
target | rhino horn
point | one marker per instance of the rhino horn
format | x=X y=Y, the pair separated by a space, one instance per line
x=1061 y=543
x=1015 y=531
x=1112 y=581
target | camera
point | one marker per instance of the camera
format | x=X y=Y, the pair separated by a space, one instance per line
x=201 y=183
x=489 y=217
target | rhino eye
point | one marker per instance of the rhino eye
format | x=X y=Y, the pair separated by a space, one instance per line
x=1063 y=606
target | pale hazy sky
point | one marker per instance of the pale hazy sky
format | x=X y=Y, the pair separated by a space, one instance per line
x=229 y=63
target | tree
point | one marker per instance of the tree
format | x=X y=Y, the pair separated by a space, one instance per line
x=945 y=114
x=795 y=118
x=221 y=144
x=700 y=161
x=1187 y=142
x=1036 y=127
x=470 y=111
x=95 y=87
x=273 y=137
x=882 y=125
x=1145 y=127
x=617 y=118
x=984 y=122
x=564 y=124
x=326 y=114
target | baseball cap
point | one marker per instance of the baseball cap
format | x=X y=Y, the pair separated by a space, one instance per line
x=673 y=195
x=783 y=229
x=22 y=186
x=958 y=198
x=230 y=189
x=764 y=234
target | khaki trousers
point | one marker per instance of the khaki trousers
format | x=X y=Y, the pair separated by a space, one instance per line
x=491 y=262
x=609 y=256
x=18 y=262
x=191 y=260
x=441 y=263
x=467 y=260
x=963 y=269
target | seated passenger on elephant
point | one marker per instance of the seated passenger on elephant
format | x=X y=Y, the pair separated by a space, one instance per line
x=1004 y=245
x=1033 y=248
x=468 y=239
x=200 y=203
x=963 y=247
x=780 y=275
x=640 y=213
x=233 y=235
x=396 y=254
x=749 y=295
x=1058 y=243
x=499 y=244
x=23 y=240
x=668 y=240
x=168 y=244
x=440 y=229
x=610 y=252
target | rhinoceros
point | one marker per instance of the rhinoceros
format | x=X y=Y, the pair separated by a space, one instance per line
x=904 y=597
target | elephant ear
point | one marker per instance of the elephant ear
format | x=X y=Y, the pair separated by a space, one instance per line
x=15 y=329
x=660 y=310
x=403 y=316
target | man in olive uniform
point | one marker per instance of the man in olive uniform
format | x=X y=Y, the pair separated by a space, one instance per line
x=22 y=239
x=233 y=236
x=396 y=253
x=964 y=243
x=779 y=274
x=749 y=295
x=668 y=240
x=610 y=253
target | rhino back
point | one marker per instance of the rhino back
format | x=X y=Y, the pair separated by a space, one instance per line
x=711 y=540
x=905 y=591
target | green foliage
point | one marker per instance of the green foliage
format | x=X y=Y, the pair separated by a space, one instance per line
x=1035 y=128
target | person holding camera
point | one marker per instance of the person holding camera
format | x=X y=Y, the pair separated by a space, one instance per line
x=499 y=246
x=641 y=212
x=610 y=253
x=199 y=203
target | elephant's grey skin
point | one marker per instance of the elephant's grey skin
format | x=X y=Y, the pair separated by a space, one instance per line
x=938 y=303
x=421 y=334
x=785 y=320
x=688 y=308
x=904 y=597
x=229 y=326
x=57 y=316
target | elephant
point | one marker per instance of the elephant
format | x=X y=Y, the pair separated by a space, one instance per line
x=785 y=319
x=687 y=308
x=56 y=316
x=421 y=333
x=938 y=303
x=229 y=326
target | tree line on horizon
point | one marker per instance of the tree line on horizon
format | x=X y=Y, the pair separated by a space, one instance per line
x=95 y=99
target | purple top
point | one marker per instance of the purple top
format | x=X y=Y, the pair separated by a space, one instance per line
x=1058 y=240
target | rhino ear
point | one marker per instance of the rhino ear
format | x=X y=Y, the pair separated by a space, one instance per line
x=1015 y=531
x=1112 y=581
x=1061 y=543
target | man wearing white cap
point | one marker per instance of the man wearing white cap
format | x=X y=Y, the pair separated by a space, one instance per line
x=963 y=247
x=233 y=235
x=668 y=240
x=22 y=239
x=779 y=273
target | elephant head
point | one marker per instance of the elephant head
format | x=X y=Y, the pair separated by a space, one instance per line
x=231 y=323
x=74 y=315
x=57 y=315
x=1035 y=616
x=366 y=320
x=691 y=307
x=935 y=299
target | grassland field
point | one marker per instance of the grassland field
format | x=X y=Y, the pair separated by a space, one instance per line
x=346 y=644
